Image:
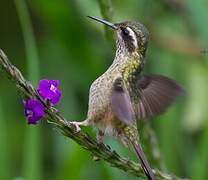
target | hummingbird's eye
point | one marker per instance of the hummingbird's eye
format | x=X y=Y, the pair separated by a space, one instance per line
x=125 y=31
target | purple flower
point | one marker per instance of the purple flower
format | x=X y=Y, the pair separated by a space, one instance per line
x=33 y=110
x=48 y=89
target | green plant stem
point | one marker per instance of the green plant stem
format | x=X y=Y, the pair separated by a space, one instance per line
x=67 y=129
x=201 y=158
x=32 y=155
x=4 y=156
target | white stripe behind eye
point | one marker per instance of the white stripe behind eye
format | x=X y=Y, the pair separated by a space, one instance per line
x=133 y=35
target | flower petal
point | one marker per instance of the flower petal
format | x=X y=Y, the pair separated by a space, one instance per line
x=55 y=82
x=56 y=97
x=48 y=89
x=33 y=110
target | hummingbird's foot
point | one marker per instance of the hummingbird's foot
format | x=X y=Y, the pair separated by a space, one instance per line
x=77 y=124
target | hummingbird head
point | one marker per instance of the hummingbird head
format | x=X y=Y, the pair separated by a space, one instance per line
x=131 y=36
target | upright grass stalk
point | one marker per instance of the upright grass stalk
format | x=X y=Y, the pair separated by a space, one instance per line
x=32 y=155
x=199 y=167
x=4 y=155
x=106 y=9
x=199 y=22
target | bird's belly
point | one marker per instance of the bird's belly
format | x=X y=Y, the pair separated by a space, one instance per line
x=99 y=110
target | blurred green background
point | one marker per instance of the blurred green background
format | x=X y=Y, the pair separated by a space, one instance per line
x=69 y=47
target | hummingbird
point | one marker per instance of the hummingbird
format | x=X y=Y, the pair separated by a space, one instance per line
x=123 y=96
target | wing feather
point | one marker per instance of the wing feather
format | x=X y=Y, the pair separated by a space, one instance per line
x=121 y=102
x=157 y=93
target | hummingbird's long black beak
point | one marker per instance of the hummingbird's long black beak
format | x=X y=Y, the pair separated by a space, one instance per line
x=113 y=26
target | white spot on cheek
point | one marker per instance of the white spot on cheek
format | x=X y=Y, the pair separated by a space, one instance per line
x=133 y=35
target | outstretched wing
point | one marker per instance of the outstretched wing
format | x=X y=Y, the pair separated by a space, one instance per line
x=157 y=93
x=121 y=102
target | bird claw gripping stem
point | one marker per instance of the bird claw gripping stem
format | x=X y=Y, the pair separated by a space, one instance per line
x=76 y=125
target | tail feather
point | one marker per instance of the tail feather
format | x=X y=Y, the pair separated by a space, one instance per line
x=144 y=162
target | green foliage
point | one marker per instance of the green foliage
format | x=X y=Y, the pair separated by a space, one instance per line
x=74 y=50
x=32 y=162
